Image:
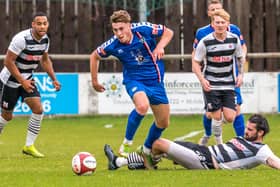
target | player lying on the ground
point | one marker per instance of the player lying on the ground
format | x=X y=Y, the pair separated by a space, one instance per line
x=238 y=153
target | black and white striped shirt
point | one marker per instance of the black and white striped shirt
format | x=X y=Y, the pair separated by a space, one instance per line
x=239 y=153
x=219 y=60
x=29 y=53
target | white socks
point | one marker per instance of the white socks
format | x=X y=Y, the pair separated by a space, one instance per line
x=33 y=128
x=121 y=161
x=217 y=130
x=3 y=122
x=128 y=142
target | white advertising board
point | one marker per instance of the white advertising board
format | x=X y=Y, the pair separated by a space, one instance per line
x=259 y=92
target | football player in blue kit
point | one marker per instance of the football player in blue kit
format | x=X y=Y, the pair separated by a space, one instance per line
x=238 y=123
x=135 y=45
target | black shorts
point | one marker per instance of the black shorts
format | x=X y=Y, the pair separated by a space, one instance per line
x=217 y=99
x=9 y=96
x=203 y=152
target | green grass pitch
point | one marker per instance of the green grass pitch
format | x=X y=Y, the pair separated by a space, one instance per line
x=62 y=137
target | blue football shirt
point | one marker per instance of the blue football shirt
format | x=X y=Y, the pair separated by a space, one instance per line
x=135 y=57
x=204 y=31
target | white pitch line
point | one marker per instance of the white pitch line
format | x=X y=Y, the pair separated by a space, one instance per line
x=190 y=135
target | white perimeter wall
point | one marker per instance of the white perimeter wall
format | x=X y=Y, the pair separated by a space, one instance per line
x=259 y=91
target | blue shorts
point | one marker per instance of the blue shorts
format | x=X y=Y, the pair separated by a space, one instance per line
x=238 y=98
x=155 y=91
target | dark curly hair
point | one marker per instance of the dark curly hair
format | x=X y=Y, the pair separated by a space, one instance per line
x=261 y=123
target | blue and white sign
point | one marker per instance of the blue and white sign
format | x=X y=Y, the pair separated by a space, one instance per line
x=64 y=101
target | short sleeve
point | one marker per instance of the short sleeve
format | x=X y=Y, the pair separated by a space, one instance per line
x=200 y=51
x=104 y=49
x=239 y=51
x=17 y=44
x=264 y=153
x=48 y=46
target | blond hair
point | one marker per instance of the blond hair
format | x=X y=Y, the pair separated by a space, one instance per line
x=120 y=16
x=222 y=13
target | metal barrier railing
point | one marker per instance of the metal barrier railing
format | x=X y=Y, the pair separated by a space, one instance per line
x=165 y=57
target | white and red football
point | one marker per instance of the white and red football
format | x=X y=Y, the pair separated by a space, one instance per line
x=83 y=163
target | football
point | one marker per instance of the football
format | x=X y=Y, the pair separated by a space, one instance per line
x=83 y=163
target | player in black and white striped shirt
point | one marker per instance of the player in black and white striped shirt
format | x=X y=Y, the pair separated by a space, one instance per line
x=220 y=51
x=237 y=153
x=27 y=49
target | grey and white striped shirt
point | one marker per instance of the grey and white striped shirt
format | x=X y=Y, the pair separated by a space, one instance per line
x=219 y=60
x=239 y=153
x=29 y=53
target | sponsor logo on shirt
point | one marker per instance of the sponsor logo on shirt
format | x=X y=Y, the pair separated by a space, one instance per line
x=32 y=57
x=237 y=144
x=120 y=51
x=221 y=58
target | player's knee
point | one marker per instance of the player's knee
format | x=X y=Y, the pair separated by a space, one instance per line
x=38 y=110
x=142 y=109
x=230 y=118
x=163 y=123
x=8 y=116
x=238 y=110
x=158 y=144
x=208 y=115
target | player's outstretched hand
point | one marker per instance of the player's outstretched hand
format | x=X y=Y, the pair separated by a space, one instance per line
x=28 y=85
x=239 y=81
x=98 y=87
x=57 y=85
x=206 y=85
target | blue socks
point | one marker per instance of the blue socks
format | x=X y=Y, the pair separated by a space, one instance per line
x=154 y=134
x=133 y=122
x=239 y=125
x=207 y=125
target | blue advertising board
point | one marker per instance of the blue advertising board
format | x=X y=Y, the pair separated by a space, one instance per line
x=62 y=102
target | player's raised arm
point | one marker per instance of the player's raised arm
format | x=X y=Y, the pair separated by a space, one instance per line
x=94 y=66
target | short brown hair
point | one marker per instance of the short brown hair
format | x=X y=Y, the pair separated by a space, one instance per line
x=120 y=16
x=222 y=13
x=214 y=2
